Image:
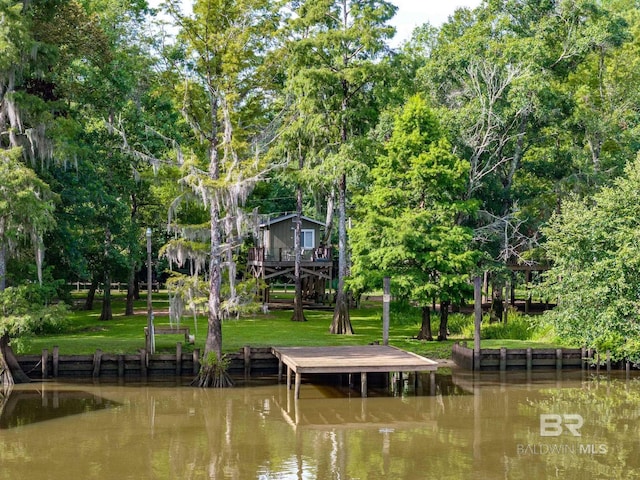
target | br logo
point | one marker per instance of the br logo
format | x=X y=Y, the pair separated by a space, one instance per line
x=552 y=425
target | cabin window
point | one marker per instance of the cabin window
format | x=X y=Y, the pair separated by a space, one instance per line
x=307 y=239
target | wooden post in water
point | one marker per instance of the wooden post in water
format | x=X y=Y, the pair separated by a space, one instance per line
x=97 y=361
x=363 y=384
x=196 y=361
x=56 y=360
x=558 y=359
x=386 y=300
x=503 y=359
x=247 y=360
x=143 y=363
x=178 y=359
x=529 y=359
x=477 y=311
x=297 y=386
x=120 y=366
x=45 y=363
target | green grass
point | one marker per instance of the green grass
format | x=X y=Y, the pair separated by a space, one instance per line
x=126 y=334
x=507 y=343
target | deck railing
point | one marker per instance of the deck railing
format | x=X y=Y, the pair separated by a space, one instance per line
x=260 y=254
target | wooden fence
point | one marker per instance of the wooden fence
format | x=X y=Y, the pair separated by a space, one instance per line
x=248 y=361
x=524 y=358
x=119 y=286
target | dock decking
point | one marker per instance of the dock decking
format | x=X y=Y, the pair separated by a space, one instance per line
x=353 y=359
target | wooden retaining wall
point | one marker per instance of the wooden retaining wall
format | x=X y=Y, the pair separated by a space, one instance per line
x=524 y=358
x=248 y=361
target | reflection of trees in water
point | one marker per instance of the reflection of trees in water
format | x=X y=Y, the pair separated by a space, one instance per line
x=216 y=435
x=5 y=392
x=610 y=409
x=263 y=432
x=154 y=433
x=24 y=407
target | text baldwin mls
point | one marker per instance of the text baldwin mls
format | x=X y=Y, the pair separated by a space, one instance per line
x=561 y=449
x=553 y=425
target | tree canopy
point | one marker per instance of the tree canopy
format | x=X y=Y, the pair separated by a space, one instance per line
x=409 y=220
x=462 y=143
x=593 y=244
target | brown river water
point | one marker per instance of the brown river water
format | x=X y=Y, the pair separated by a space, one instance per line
x=454 y=426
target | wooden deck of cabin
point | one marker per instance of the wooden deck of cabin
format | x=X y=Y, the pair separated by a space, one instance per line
x=316 y=268
x=351 y=359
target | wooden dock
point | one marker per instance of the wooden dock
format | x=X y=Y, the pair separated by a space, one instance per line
x=356 y=359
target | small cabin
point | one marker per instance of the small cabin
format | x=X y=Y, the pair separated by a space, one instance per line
x=273 y=260
x=276 y=237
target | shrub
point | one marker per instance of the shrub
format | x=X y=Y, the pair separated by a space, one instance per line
x=402 y=312
x=24 y=311
x=515 y=329
x=459 y=323
x=518 y=327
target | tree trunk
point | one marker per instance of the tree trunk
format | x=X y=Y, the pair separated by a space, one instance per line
x=328 y=229
x=298 y=311
x=136 y=288
x=212 y=372
x=444 y=319
x=91 y=295
x=425 y=328
x=10 y=370
x=497 y=305
x=107 y=312
x=341 y=323
x=3 y=267
x=131 y=281
x=131 y=291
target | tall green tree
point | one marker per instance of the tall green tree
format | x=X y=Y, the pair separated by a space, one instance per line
x=221 y=98
x=26 y=209
x=603 y=90
x=334 y=61
x=23 y=120
x=106 y=94
x=39 y=43
x=593 y=244
x=501 y=76
x=408 y=221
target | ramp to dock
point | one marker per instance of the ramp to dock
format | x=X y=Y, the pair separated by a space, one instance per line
x=351 y=359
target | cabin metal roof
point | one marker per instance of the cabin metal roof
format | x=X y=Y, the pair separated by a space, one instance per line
x=289 y=216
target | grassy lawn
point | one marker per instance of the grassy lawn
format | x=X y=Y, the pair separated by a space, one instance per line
x=87 y=333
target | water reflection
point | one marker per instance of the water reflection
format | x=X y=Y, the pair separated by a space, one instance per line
x=460 y=426
x=24 y=407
